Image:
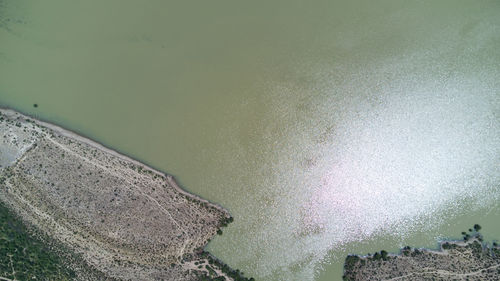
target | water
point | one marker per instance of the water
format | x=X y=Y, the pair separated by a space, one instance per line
x=325 y=128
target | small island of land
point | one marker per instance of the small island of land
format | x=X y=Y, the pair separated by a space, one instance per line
x=100 y=214
x=467 y=259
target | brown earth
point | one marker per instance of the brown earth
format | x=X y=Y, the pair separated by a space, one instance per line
x=120 y=217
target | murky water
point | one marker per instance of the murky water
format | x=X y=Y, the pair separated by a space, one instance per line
x=326 y=128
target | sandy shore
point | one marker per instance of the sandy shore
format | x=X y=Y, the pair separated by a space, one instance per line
x=124 y=218
x=71 y=134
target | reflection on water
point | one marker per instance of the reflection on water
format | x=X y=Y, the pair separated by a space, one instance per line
x=322 y=127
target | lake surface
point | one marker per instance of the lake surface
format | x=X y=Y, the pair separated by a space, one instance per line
x=325 y=127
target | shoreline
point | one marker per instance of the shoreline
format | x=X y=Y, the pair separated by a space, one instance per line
x=457 y=258
x=80 y=137
x=136 y=220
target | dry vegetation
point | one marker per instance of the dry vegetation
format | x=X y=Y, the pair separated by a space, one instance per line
x=469 y=259
x=123 y=219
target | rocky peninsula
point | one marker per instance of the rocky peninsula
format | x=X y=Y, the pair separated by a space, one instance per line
x=467 y=259
x=109 y=216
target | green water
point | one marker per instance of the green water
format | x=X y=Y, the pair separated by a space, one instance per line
x=325 y=127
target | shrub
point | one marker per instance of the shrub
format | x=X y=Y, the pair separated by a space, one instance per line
x=383 y=254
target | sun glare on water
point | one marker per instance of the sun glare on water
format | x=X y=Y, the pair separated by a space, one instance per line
x=402 y=160
x=393 y=159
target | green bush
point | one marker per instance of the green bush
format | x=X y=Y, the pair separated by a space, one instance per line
x=383 y=254
x=29 y=257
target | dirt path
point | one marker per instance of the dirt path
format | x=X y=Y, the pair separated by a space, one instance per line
x=445 y=272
